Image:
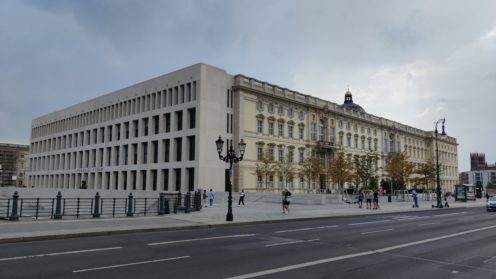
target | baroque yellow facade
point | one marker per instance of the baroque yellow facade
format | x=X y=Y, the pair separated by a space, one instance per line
x=286 y=125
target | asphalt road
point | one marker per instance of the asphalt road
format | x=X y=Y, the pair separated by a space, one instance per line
x=445 y=243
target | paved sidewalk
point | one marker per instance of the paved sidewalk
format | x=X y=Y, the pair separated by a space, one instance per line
x=252 y=212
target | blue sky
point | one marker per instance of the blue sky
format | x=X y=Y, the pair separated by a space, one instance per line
x=409 y=61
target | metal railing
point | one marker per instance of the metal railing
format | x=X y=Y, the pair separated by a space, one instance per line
x=59 y=207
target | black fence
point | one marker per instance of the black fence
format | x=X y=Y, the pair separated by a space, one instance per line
x=58 y=207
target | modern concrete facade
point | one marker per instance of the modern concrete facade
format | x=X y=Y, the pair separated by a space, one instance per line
x=159 y=135
x=13 y=164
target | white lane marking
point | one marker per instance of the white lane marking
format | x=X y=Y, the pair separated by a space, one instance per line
x=371 y=222
x=284 y=243
x=128 y=264
x=412 y=218
x=200 y=239
x=322 y=261
x=426 y=224
x=292 y=242
x=377 y=231
x=60 y=253
x=306 y=229
x=490 y=260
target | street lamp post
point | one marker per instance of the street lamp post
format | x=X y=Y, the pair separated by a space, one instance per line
x=230 y=158
x=282 y=167
x=438 y=180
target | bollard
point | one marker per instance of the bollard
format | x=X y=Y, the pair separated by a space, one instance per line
x=96 y=210
x=15 y=200
x=161 y=205
x=187 y=202
x=197 y=201
x=58 y=207
x=129 y=212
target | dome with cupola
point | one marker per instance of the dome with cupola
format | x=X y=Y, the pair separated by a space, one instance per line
x=348 y=103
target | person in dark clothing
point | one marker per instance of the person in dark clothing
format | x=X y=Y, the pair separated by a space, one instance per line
x=376 y=200
x=241 y=197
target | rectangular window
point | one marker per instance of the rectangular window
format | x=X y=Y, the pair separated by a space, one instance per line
x=271 y=154
x=126 y=154
x=259 y=126
x=178 y=144
x=145 y=126
x=191 y=148
x=136 y=128
x=331 y=135
x=165 y=179
x=166 y=144
x=144 y=149
x=259 y=153
x=280 y=129
x=117 y=157
x=179 y=120
x=126 y=130
x=281 y=155
x=135 y=153
x=167 y=122
x=301 y=129
x=109 y=131
x=192 y=118
x=109 y=156
x=118 y=130
x=155 y=124
x=155 y=151
x=302 y=157
x=271 y=128
x=290 y=132
x=190 y=173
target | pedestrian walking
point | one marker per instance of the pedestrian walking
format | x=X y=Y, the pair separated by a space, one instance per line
x=241 y=198
x=415 y=199
x=360 y=199
x=376 y=199
x=205 y=197
x=211 y=196
x=368 y=197
x=286 y=201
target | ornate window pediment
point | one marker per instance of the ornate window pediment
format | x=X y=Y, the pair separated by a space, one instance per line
x=260 y=116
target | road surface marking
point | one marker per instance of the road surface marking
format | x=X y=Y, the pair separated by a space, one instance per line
x=377 y=231
x=371 y=222
x=59 y=253
x=128 y=264
x=490 y=260
x=200 y=239
x=292 y=242
x=284 y=243
x=306 y=229
x=344 y=257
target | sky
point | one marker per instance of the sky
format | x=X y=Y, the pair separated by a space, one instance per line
x=409 y=61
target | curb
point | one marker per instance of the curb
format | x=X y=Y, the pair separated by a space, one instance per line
x=190 y=227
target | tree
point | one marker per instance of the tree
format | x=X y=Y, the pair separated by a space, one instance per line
x=365 y=167
x=340 y=170
x=399 y=169
x=288 y=170
x=427 y=174
x=310 y=169
x=265 y=168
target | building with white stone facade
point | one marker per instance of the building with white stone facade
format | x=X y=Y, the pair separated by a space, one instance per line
x=159 y=135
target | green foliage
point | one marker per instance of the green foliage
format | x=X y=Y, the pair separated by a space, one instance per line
x=365 y=168
x=400 y=169
x=310 y=169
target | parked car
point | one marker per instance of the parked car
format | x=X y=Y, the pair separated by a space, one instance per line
x=491 y=204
